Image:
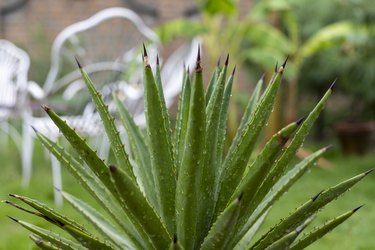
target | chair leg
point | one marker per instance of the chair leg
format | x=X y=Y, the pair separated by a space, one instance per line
x=57 y=181
x=5 y=128
x=27 y=154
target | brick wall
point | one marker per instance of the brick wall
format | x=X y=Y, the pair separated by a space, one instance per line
x=49 y=15
x=34 y=26
x=52 y=16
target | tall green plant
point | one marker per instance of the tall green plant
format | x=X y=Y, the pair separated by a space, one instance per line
x=179 y=189
x=272 y=29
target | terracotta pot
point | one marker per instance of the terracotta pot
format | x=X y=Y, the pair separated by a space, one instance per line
x=355 y=137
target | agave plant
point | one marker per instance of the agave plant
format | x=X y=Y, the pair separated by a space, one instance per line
x=179 y=189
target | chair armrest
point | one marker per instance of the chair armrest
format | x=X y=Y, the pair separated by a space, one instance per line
x=35 y=90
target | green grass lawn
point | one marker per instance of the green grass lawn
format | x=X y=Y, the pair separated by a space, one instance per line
x=356 y=233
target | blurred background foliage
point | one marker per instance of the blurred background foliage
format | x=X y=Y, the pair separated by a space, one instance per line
x=323 y=39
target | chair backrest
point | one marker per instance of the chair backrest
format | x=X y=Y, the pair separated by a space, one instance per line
x=14 y=66
x=131 y=92
x=104 y=43
x=108 y=45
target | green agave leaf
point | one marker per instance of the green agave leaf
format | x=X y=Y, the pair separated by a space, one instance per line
x=104 y=227
x=285 y=241
x=49 y=236
x=213 y=81
x=87 y=240
x=217 y=90
x=251 y=104
x=175 y=245
x=135 y=203
x=158 y=81
x=237 y=158
x=258 y=170
x=294 y=174
x=23 y=209
x=140 y=153
x=254 y=98
x=162 y=159
x=70 y=226
x=279 y=189
x=182 y=117
x=223 y=129
x=42 y=244
x=48 y=213
x=165 y=114
x=223 y=120
x=306 y=210
x=80 y=145
x=109 y=125
x=95 y=187
x=282 y=163
x=245 y=241
x=190 y=173
x=261 y=166
x=288 y=239
x=210 y=168
x=319 y=232
x=219 y=235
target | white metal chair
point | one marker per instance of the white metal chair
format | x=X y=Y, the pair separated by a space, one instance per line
x=14 y=87
x=81 y=39
x=14 y=66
